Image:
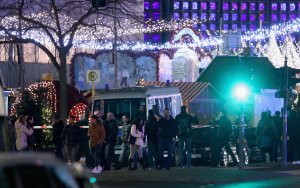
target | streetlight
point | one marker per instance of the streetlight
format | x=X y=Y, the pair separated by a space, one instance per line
x=241 y=93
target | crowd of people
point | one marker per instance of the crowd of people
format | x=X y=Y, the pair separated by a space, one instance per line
x=158 y=132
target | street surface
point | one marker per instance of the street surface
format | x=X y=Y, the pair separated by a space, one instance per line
x=270 y=175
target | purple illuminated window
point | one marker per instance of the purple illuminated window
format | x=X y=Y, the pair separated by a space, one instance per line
x=261 y=6
x=176 y=5
x=185 y=5
x=146 y=5
x=262 y=17
x=252 y=17
x=203 y=27
x=204 y=6
x=225 y=16
x=155 y=15
x=234 y=17
x=203 y=16
x=213 y=6
x=234 y=6
x=176 y=16
x=195 y=26
x=283 y=6
x=226 y=6
x=186 y=15
x=226 y=27
x=195 y=15
x=212 y=16
x=253 y=6
x=292 y=7
x=155 y=5
x=252 y=27
x=212 y=27
x=293 y=16
x=274 y=17
x=146 y=37
x=243 y=6
x=234 y=27
x=146 y=15
x=195 y=5
x=244 y=17
x=283 y=17
x=274 y=6
x=243 y=27
x=156 y=37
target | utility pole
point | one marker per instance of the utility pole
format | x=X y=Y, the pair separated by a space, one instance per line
x=285 y=118
x=20 y=52
x=241 y=139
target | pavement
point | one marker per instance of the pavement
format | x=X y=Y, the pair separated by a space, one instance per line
x=202 y=176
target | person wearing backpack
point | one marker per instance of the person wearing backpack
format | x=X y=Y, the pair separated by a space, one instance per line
x=184 y=123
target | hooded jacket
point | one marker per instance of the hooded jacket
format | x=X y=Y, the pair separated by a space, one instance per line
x=22 y=132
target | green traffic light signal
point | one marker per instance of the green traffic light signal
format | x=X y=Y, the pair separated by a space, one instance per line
x=241 y=92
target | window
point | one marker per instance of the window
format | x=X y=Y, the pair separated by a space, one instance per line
x=213 y=6
x=274 y=17
x=243 y=27
x=195 y=5
x=243 y=6
x=283 y=6
x=203 y=27
x=146 y=15
x=293 y=16
x=274 y=6
x=234 y=6
x=146 y=5
x=225 y=16
x=155 y=5
x=203 y=6
x=176 y=5
x=252 y=27
x=195 y=15
x=155 y=16
x=252 y=17
x=226 y=27
x=186 y=15
x=176 y=16
x=262 y=17
x=261 y=6
x=212 y=16
x=234 y=27
x=212 y=27
x=244 y=17
x=283 y=17
x=226 y=6
x=253 y=6
x=292 y=7
x=185 y=5
x=234 y=17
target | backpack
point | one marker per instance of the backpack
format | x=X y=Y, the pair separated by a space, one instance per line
x=183 y=127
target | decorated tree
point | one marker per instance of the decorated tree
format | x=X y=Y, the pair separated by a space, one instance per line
x=40 y=101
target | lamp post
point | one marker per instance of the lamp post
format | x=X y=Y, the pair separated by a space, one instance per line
x=241 y=93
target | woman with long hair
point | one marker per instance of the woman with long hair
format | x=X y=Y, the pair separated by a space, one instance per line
x=22 y=132
x=137 y=133
x=30 y=138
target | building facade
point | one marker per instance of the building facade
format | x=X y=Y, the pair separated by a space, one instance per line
x=227 y=15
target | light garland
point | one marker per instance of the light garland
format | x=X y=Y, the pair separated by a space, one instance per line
x=78 y=110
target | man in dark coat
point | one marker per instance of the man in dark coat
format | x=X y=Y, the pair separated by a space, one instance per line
x=225 y=130
x=167 y=134
x=57 y=130
x=151 y=132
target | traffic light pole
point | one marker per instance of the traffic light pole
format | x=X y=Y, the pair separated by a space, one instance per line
x=241 y=139
x=285 y=110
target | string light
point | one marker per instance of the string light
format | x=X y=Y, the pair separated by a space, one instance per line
x=78 y=110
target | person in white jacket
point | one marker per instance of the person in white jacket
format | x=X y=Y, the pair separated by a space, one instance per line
x=21 y=133
x=137 y=131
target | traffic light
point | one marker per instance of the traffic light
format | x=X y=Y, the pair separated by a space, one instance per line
x=99 y=3
x=292 y=80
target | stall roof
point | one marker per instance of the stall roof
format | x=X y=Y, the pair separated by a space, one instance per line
x=136 y=92
x=189 y=90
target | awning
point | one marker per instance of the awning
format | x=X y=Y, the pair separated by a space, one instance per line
x=189 y=90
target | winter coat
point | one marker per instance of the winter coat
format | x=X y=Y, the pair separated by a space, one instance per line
x=139 y=135
x=167 y=128
x=57 y=133
x=185 y=121
x=151 y=129
x=71 y=135
x=111 y=131
x=22 y=132
x=97 y=134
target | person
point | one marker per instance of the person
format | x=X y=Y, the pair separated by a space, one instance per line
x=225 y=131
x=111 y=130
x=57 y=129
x=278 y=122
x=70 y=137
x=267 y=136
x=30 y=138
x=126 y=126
x=137 y=131
x=12 y=133
x=21 y=133
x=97 y=135
x=141 y=113
x=168 y=130
x=151 y=132
x=185 y=121
x=83 y=140
x=124 y=77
